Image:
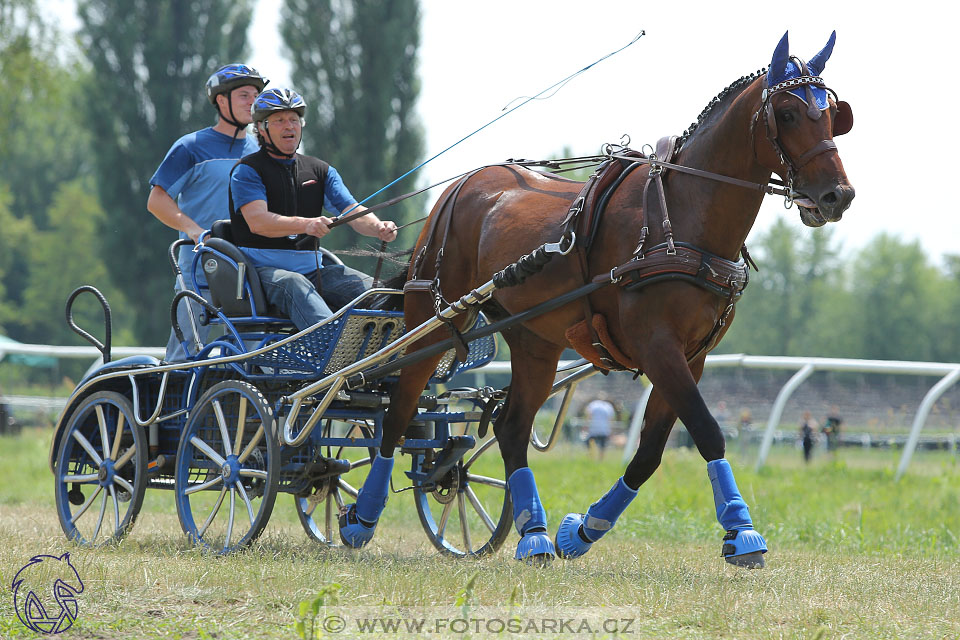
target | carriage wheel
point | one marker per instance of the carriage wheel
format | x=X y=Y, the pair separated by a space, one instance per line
x=227 y=466
x=469 y=513
x=102 y=459
x=319 y=511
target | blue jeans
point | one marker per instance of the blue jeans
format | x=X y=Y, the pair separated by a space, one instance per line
x=297 y=298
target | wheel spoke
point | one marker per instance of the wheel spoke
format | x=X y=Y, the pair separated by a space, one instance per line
x=442 y=526
x=253 y=473
x=104 y=438
x=86 y=505
x=203 y=486
x=490 y=482
x=476 y=454
x=330 y=517
x=116 y=439
x=360 y=463
x=103 y=510
x=216 y=507
x=222 y=423
x=311 y=507
x=349 y=490
x=79 y=437
x=125 y=458
x=233 y=509
x=480 y=510
x=243 y=494
x=81 y=479
x=241 y=422
x=462 y=506
x=116 y=508
x=207 y=451
x=126 y=486
x=251 y=445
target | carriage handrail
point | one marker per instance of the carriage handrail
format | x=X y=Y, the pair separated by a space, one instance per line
x=185 y=365
x=583 y=370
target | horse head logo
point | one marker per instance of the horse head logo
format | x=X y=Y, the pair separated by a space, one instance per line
x=45 y=594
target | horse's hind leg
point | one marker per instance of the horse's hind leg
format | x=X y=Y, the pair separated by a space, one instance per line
x=578 y=531
x=533 y=366
x=358 y=521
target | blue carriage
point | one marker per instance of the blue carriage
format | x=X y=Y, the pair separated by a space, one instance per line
x=265 y=409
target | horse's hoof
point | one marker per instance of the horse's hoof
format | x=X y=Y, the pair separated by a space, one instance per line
x=569 y=542
x=536 y=548
x=748 y=560
x=744 y=548
x=354 y=532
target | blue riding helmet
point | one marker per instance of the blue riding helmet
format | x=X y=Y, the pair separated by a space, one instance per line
x=230 y=76
x=274 y=100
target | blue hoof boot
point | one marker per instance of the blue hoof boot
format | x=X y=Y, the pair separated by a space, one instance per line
x=354 y=532
x=570 y=544
x=744 y=548
x=535 y=548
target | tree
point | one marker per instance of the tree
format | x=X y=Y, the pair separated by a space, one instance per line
x=152 y=58
x=800 y=278
x=355 y=63
x=14 y=242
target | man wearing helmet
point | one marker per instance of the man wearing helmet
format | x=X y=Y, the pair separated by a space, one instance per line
x=189 y=188
x=277 y=197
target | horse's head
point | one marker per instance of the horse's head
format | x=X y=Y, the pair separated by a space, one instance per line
x=800 y=117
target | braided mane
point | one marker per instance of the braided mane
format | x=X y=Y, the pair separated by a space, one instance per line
x=736 y=86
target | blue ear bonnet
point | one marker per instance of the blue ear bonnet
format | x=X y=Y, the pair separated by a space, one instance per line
x=786 y=67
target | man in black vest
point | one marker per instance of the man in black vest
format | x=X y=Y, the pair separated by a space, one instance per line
x=277 y=197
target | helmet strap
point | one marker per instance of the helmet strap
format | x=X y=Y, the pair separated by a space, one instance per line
x=232 y=119
x=267 y=142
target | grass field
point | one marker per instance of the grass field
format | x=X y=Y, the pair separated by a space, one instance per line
x=852 y=555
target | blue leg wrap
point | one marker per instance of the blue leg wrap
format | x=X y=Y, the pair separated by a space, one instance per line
x=359 y=521
x=732 y=513
x=529 y=517
x=578 y=532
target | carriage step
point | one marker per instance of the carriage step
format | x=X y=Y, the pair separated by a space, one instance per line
x=452 y=451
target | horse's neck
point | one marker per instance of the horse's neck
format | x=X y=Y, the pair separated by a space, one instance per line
x=710 y=214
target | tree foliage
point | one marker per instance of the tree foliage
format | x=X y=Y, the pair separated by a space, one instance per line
x=151 y=58
x=355 y=63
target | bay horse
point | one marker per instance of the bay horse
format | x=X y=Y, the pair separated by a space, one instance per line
x=663 y=323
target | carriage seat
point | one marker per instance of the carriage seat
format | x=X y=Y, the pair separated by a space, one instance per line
x=232 y=288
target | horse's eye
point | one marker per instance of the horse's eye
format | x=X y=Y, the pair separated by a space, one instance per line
x=787 y=116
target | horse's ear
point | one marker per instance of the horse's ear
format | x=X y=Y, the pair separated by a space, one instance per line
x=819 y=61
x=843 y=121
x=778 y=65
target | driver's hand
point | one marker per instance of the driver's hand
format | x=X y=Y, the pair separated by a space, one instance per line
x=387 y=230
x=318 y=227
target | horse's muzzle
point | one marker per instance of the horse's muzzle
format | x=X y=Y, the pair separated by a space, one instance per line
x=834 y=202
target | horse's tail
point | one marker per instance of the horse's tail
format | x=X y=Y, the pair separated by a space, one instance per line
x=394 y=302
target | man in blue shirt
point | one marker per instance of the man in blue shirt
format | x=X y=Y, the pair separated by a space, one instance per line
x=277 y=197
x=190 y=187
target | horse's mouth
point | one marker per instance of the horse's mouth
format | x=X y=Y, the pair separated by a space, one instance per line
x=809 y=212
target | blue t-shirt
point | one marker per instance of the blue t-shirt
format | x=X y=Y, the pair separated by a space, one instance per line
x=247 y=186
x=195 y=173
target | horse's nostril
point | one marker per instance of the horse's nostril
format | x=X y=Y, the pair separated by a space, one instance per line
x=829 y=198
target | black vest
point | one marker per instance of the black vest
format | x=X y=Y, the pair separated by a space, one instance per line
x=292 y=190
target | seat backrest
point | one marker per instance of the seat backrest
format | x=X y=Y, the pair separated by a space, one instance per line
x=226 y=289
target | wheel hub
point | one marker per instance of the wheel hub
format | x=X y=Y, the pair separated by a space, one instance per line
x=447 y=488
x=105 y=474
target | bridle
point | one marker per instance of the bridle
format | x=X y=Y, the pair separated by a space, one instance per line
x=843 y=120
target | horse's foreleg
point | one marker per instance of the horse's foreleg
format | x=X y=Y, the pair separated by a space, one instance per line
x=534 y=366
x=578 y=531
x=674 y=379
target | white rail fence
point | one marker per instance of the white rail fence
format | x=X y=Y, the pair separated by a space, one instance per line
x=949 y=374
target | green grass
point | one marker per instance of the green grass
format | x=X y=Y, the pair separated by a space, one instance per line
x=853 y=554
